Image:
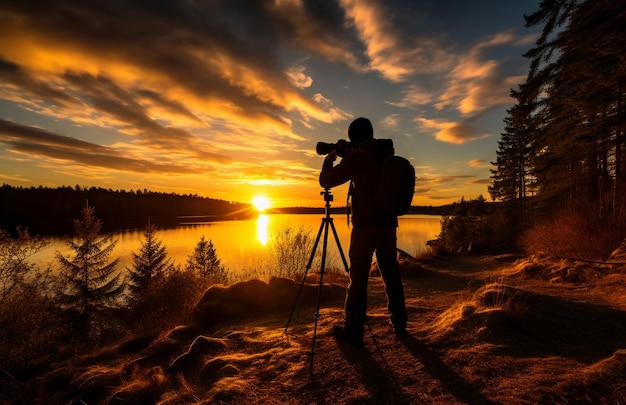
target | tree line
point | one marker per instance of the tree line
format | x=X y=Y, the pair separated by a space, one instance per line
x=562 y=155
x=563 y=143
x=50 y=211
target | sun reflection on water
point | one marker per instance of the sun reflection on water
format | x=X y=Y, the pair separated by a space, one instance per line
x=261 y=228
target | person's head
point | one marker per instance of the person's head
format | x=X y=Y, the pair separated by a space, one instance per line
x=360 y=130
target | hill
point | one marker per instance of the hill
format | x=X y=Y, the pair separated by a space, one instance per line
x=482 y=330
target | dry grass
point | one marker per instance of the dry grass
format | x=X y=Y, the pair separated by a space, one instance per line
x=480 y=331
x=577 y=234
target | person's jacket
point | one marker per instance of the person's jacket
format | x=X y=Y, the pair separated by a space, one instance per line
x=362 y=166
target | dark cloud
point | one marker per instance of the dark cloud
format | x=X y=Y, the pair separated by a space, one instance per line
x=319 y=27
x=17 y=77
x=173 y=106
x=107 y=97
x=37 y=141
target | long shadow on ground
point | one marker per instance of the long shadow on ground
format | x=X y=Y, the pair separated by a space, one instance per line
x=381 y=383
x=532 y=324
x=460 y=388
x=550 y=326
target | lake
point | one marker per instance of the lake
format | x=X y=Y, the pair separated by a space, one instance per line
x=244 y=245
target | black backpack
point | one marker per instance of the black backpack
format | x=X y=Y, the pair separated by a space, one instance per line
x=396 y=185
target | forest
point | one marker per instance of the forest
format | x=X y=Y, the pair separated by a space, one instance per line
x=118 y=209
x=561 y=161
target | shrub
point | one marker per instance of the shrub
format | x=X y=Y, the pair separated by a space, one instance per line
x=166 y=302
x=33 y=327
x=290 y=252
x=577 y=234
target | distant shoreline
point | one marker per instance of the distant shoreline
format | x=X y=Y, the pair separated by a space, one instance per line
x=425 y=210
x=52 y=211
x=61 y=228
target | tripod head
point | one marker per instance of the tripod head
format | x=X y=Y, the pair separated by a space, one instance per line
x=328 y=195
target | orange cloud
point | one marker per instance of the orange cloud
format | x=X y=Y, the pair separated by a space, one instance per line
x=450 y=132
x=481 y=181
x=477 y=84
x=232 y=81
x=390 y=121
x=298 y=77
x=476 y=162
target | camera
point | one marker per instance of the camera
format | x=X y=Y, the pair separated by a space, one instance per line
x=342 y=147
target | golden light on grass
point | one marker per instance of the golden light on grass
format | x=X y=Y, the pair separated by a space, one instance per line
x=261 y=203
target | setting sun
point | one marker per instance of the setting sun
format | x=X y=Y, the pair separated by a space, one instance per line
x=261 y=203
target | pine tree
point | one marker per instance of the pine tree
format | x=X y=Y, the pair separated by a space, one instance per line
x=150 y=264
x=204 y=262
x=151 y=302
x=510 y=175
x=91 y=285
x=571 y=109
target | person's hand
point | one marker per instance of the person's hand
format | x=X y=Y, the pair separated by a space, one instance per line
x=331 y=157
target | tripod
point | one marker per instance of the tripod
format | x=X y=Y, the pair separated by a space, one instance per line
x=327 y=222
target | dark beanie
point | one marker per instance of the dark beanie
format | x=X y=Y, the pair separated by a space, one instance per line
x=360 y=129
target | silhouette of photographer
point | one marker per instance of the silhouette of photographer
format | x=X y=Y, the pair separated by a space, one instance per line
x=373 y=230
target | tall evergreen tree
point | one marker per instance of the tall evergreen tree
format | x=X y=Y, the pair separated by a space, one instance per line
x=570 y=109
x=510 y=176
x=91 y=284
x=591 y=83
x=150 y=264
x=151 y=302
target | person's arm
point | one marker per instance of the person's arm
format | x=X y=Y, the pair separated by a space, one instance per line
x=331 y=175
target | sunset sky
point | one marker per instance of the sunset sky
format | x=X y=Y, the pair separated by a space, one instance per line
x=227 y=98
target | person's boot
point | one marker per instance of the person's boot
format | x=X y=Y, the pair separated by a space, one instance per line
x=352 y=336
x=399 y=329
x=398 y=323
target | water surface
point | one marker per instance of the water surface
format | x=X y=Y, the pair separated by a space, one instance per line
x=245 y=244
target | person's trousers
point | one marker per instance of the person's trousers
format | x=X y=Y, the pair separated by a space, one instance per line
x=364 y=242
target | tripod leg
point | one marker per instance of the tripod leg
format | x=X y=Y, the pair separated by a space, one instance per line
x=319 y=291
x=343 y=257
x=308 y=267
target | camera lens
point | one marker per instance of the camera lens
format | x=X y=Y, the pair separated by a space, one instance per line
x=324 y=148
